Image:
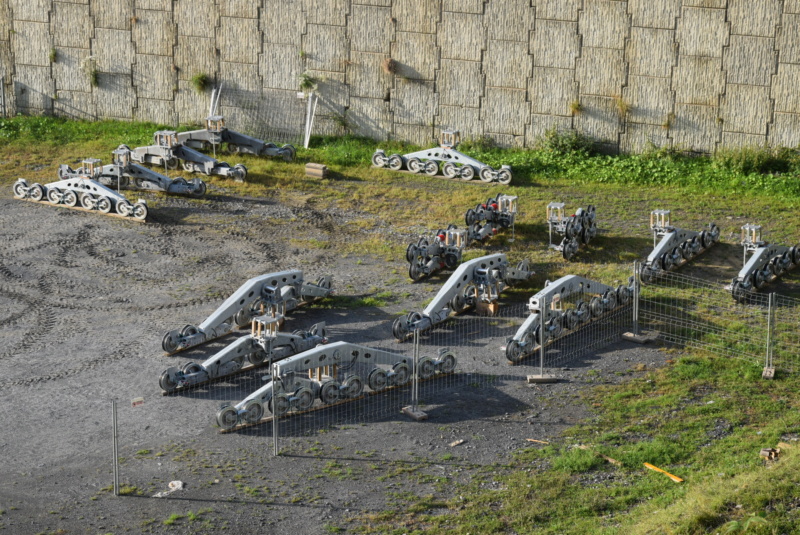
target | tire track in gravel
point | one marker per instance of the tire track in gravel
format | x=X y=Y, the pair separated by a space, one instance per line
x=45 y=321
x=114 y=356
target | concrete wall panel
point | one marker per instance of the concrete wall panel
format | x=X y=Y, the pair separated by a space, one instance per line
x=750 y=60
x=31 y=10
x=371 y=29
x=785 y=130
x=735 y=140
x=198 y=18
x=603 y=23
x=784 y=88
x=698 y=80
x=416 y=54
x=416 y=15
x=509 y=20
x=33 y=88
x=465 y=120
x=601 y=71
x=30 y=43
x=414 y=102
x=507 y=64
x=651 y=52
x=153 y=77
x=157 y=111
x=555 y=44
x=366 y=76
x=157 y=5
x=557 y=9
x=195 y=55
x=746 y=108
x=654 y=13
x=650 y=99
x=540 y=124
x=599 y=118
x=326 y=47
x=423 y=136
x=67 y=72
x=369 y=117
x=788 y=41
x=116 y=14
x=702 y=32
x=75 y=105
x=154 y=32
x=246 y=9
x=462 y=36
x=695 y=128
x=460 y=83
x=114 y=96
x=281 y=66
x=191 y=107
x=70 y=28
x=505 y=111
x=239 y=40
x=113 y=50
x=242 y=76
x=641 y=137
x=463 y=6
x=283 y=21
x=332 y=12
x=334 y=93
x=748 y=17
x=552 y=91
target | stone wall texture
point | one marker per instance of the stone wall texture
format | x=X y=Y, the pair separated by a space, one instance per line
x=695 y=75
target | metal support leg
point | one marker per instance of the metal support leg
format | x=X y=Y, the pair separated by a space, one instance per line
x=769 y=366
x=543 y=308
x=636 y=298
x=415 y=368
x=274 y=416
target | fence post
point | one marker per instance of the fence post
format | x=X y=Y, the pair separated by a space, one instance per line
x=115 y=445
x=769 y=366
x=542 y=322
x=414 y=378
x=636 y=298
x=274 y=416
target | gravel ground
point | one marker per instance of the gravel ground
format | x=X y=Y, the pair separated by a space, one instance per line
x=84 y=302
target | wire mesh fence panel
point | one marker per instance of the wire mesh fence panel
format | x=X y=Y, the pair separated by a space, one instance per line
x=274 y=116
x=786 y=335
x=703 y=315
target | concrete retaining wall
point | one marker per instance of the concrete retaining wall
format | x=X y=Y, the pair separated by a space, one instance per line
x=692 y=74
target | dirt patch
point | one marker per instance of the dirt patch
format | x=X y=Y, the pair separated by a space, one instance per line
x=84 y=301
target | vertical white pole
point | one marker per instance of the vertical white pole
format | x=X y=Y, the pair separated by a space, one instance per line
x=115 y=446
x=274 y=415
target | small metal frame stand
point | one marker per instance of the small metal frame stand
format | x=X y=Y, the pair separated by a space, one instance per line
x=577 y=229
x=660 y=224
x=751 y=240
x=541 y=377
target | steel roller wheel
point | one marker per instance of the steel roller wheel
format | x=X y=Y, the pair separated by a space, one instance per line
x=400 y=329
x=451 y=260
x=704 y=239
x=738 y=291
x=199 y=188
x=467 y=172
x=413 y=318
x=686 y=250
x=759 y=279
x=777 y=266
x=234 y=365
x=414 y=273
x=470 y=217
x=253 y=411
x=69 y=198
x=379 y=159
x=288 y=152
x=353 y=386
x=795 y=255
x=329 y=392
x=610 y=298
x=570 y=320
x=585 y=236
x=227 y=417
x=582 y=311
x=402 y=374
x=191 y=368
x=88 y=201
x=171 y=163
x=279 y=405
x=411 y=252
x=304 y=399
x=447 y=363
x=189 y=330
x=422 y=243
x=431 y=168
x=623 y=294
x=243 y=317
x=425 y=368
x=188 y=167
x=395 y=162
x=504 y=176
x=231 y=148
x=36 y=192
x=458 y=303
x=104 y=204
x=140 y=183
x=569 y=248
x=712 y=236
x=19 y=189
x=449 y=170
x=647 y=274
x=239 y=172
x=124 y=208
x=169 y=343
x=377 y=379
x=414 y=165
x=54 y=195
x=166 y=383
x=140 y=211
x=666 y=261
x=555 y=327
x=596 y=307
x=695 y=245
x=486 y=174
x=257 y=357
x=514 y=352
